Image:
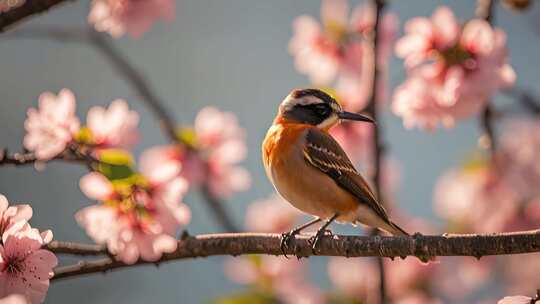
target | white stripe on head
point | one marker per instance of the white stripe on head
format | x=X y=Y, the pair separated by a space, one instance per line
x=289 y=102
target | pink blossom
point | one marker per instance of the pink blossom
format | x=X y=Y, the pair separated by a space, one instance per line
x=14 y=299
x=113 y=127
x=222 y=143
x=475 y=199
x=520 y=147
x=458 y=278
x=337 y=46
x=521 y=272
x=25 y=267
x=357 y=278
x=516 y=300
x=9 y=215
x=285 y=277
x=53 y=126
x=456 y=68
x=141 y=223
x=273 y=214
x=133 y=16
x=406 y=276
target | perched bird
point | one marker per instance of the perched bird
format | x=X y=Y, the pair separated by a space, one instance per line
x=310 y=169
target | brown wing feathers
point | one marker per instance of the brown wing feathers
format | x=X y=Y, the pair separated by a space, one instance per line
x=324 y=153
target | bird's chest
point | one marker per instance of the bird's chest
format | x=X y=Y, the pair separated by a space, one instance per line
x=302 y=185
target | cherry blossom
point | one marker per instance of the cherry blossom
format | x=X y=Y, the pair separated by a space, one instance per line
x=273 y=214
x=9 y=215
x=520 y=147
x=337 y=46
x=516 y=300
x=220 y=145
x=113 y=127
x=284 y=278
x=14 y=299
x=50 y=128
x=117 y=17
x=135 y=221
x=356 y=278
x=456 y=69
x=479 y=188
x=25 y=268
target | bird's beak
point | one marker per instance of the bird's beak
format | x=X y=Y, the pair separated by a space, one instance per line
x=354 y=116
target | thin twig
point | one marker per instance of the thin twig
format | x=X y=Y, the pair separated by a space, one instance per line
x=527 y=99
x=26 y=9
x=139 y=83
x=377 y=145
x=29 y=158
x=485 y=10
x=235 y=244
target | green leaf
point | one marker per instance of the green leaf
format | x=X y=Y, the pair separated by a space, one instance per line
x=115 y=164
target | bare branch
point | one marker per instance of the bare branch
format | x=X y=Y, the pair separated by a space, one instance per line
x=485 y=10
x=235 y=244
x=77 y=249
x=27 y=9
x=377 y=146
x=29 y=158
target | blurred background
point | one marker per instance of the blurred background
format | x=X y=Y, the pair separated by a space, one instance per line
x=230 y=54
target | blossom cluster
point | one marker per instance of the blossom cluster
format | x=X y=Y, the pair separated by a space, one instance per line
x=135 y=17
x=337 y=56
x=453 y=69
x=25 y=267
x=139 y=212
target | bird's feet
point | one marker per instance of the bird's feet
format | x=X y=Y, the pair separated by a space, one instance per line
x=285 y=241
x=314 y=240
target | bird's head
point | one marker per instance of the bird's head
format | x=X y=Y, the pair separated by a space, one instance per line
x=315 y=107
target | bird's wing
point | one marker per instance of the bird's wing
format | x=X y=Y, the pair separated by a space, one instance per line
x=325 y=154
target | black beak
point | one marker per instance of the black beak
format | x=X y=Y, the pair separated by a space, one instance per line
x=354 y=116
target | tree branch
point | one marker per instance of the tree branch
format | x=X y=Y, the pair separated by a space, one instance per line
x=29 y=158
x=26 y=9
x=235 y=244
x=377 y=136
x=135 y=78
x=485 y=10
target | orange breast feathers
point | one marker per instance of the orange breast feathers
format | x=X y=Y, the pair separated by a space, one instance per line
x=280 y=138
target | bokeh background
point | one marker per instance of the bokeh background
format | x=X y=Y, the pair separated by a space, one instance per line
x=230 y=54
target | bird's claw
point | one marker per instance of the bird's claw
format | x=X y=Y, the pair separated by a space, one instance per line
x=314 y=240
x=286 y=240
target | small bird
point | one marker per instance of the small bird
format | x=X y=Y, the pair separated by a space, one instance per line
x=311 y=170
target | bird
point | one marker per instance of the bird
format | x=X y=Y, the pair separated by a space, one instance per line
x=310 y=170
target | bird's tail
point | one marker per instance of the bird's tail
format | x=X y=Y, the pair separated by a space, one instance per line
x=394 y=229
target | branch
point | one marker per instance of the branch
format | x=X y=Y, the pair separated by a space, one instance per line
x=139 y=83
x=29 y=158
x=347 y=246
x=377 y=137
x=527 y=99
x=485 y=10
x=27 y=9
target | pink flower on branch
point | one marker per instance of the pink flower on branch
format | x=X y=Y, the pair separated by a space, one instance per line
x=516 y=300
x=9 y=215
x=133 y=16
x=321 y=52
x=50 y=128
x=137 y=219
x=218 y=144
x=25 y=268
x=456 y=69
x=115 y=126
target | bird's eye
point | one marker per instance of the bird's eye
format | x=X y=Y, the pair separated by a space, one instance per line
x=322 y=109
